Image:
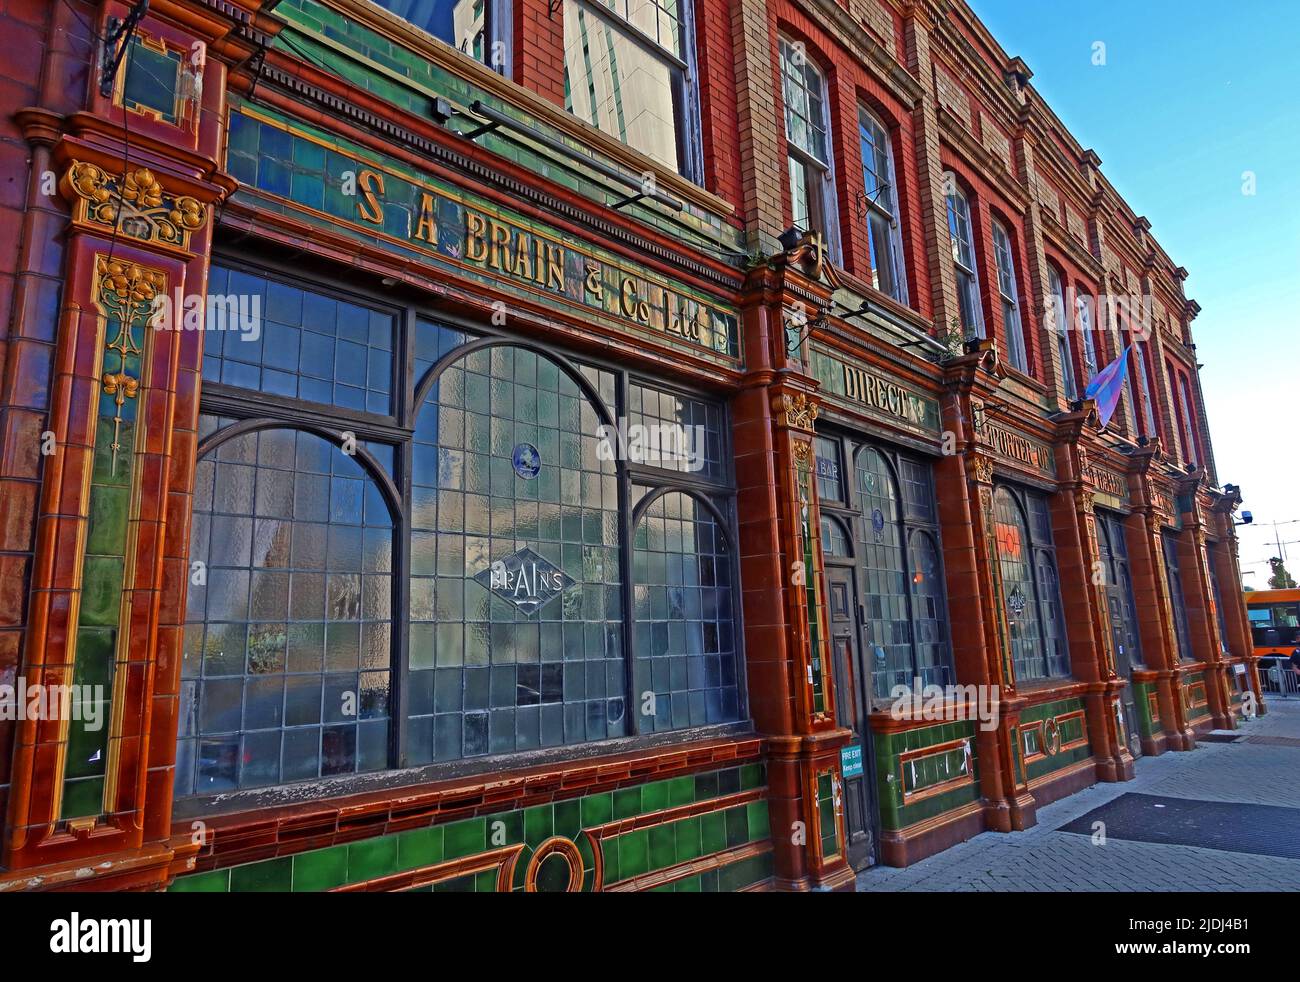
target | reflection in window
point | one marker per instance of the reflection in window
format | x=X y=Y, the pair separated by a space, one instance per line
x=468 y=25
x=963 y=256
x=625 y=73
x=286 y=673
x=812 y=196
x=271 y=336
x=1058 y=325
x=685 y=644
x=880 y=190
x=1010 y=299
x=835 y=540
x=506 y=460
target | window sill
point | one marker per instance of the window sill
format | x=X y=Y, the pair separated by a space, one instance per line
x=368 y=799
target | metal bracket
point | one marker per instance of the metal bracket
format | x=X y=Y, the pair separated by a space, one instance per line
x=116 y=44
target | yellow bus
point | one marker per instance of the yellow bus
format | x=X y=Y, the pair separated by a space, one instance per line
x=1274 y=634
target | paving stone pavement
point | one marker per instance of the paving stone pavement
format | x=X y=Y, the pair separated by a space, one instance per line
x=1044 y=860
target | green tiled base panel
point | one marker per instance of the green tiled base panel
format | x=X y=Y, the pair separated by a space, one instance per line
x=1196 y=714
x=909 y=779
x=1143 y=693
x=1071 y=723
x=657 y=836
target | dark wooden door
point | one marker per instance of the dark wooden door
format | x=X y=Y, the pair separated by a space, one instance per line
x=851 y=705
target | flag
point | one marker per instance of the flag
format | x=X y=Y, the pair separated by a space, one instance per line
x=1107 y=386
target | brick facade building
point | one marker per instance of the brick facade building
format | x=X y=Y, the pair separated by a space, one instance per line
x=342 y=342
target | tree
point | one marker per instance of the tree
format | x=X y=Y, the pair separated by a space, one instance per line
x=1281 y=579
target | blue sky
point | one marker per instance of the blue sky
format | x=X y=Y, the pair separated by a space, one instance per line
x=1191 y=96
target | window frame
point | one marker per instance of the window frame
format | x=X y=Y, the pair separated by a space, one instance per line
x=1008 y=290
x=968 y=277
x=1038 y=550
x=804 y=159
x=1056 y=312
x=685 y=81
x=253 y=410
x=881 y=143
x=498 y=27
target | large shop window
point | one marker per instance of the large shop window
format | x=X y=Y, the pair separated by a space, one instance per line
x=499 y=576
x=907 y=618
x=1119 y=583
x=628 y=71
x=1174 y=574
x=479 y=28
x=962 y=235
x=1031 y=589
x=807 y=135
x=881 y=198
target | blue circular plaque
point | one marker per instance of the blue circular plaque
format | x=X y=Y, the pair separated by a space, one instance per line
x=526 y=460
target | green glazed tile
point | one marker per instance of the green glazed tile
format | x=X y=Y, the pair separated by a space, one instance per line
x=633 y=853
x=464 y=838
x=320 y=869
x=270 y=876
x=627 y=802
x=539 y=825
x=372 y=858
x=216 y=881
x=597 y=809
x=663 y=847
x=419 y=847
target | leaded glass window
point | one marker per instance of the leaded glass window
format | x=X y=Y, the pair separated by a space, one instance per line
x=1114 y=557
x=1031 y=591
x=830 y=482
x=506 y=459
x=471 y=550
x=281 y=339
x=288 y=641
x=1174 y=576
x=684 y=639
x=835 y=539
x=681 y=433
x=906 y=613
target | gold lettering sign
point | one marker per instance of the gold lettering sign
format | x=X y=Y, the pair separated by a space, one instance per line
x=1107 y=482
x=1019 y=448
x=875 y=392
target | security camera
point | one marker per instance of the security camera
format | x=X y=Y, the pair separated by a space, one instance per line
x=1246 y=518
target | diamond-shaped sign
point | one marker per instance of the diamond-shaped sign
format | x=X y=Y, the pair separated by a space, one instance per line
x=526 y=579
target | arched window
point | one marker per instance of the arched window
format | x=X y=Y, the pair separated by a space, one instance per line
x=1010 y=299
x=962 y=235
x=881 y=195
x=808 y=142
x=288 y=641
x=835 y=539
x=1084 y=322
x=516 y=619
x=477 y=564
x=684 y=643
x=1147 y=416
x=1030 y=585
x=1059 y=326
x=907 y=634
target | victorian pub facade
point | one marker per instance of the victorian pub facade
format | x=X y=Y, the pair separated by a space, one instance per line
x=531 y=445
